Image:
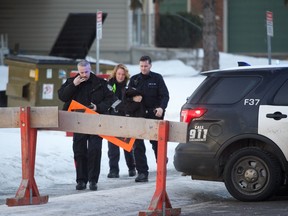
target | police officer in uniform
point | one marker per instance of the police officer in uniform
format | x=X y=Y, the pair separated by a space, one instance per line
x=89 y=90
x=156 y=96
x=118 y=82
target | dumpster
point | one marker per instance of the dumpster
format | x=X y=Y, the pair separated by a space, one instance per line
x=34 y=80
x=3 y=84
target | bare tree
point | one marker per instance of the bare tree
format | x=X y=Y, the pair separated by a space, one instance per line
x=209 y=33
x=210 y=45
x=136 y=4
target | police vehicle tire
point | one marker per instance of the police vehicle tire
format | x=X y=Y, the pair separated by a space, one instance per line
x=252 y=174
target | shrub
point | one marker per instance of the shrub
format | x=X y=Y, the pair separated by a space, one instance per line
x=178 y=30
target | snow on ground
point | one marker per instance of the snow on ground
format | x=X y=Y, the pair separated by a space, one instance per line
x=4 y=77
x=54 y=158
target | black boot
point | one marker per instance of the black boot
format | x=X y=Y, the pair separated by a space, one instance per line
x=81 y=185
x=113 y=175
x=132 y=173
x=93 y=185
x=142 y=177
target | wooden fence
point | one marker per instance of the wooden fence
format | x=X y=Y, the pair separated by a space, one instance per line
x=30 y=119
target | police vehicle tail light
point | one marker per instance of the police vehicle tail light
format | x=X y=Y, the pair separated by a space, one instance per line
x=188 y=115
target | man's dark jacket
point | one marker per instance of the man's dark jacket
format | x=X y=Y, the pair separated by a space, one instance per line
x=93 y=90
x=128 y=107
x=153 y=89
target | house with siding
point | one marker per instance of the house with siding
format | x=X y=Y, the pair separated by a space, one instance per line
x=32 y=26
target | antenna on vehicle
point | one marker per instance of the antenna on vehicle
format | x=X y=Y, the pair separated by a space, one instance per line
x=243 y=64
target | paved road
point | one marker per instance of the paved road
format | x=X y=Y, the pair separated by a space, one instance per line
x=125 y=197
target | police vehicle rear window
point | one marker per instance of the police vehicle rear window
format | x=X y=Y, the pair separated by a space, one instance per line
x=229 y=90
x=280 y=97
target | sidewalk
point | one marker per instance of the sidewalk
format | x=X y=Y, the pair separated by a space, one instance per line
x=115 y=197
x=124 y=197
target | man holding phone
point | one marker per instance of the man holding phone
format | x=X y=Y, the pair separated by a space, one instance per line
x=93 y=92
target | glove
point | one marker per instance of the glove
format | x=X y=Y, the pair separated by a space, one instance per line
x=158 y=112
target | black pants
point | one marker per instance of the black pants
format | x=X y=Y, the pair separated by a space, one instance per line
x=114 y=157
x=140 y=149
x=87 y=156
x=151 y=115
x=140 y=157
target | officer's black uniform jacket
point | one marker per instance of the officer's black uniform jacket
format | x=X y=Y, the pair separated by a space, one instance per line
x=127 y=107
x=153 y=89
x=120 y=87
x=93 y=90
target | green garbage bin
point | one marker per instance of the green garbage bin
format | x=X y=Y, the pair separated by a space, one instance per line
x=35 y=80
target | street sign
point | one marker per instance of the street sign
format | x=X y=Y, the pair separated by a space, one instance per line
x=98 y=37
x=99 y=25
x=269 y=23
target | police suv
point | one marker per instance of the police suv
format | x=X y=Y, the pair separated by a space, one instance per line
x=238 y=131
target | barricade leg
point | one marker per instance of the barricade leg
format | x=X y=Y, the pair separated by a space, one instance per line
x=160 y=203
x=27 y=193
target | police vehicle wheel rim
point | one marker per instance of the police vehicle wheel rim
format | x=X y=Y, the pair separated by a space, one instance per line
x=250 y=174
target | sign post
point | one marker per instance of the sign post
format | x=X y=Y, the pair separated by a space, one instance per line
x=269 y=24
x=99 y=36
